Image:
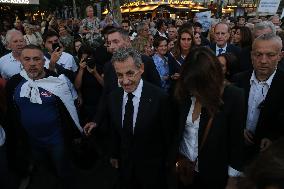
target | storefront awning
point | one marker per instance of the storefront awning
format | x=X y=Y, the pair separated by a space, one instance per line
x=34 y=2
x=147 y=8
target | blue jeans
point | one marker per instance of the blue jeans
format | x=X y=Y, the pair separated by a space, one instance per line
x=58 y=157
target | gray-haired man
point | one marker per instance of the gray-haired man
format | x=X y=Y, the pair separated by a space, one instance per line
x=140 y=125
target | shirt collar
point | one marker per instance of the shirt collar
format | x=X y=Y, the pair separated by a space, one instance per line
x=224 y=48
x=137 y=92
x=162 y=34
x=12 y=58
x=253 y=79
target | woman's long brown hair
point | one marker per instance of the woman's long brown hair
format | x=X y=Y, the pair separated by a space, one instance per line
x=201 y=76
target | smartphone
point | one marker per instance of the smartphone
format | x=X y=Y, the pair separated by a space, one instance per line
x=55 y=45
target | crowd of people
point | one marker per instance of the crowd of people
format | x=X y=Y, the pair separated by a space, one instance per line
x=168 y=104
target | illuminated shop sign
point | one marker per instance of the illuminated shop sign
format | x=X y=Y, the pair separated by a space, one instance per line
x=20 y=1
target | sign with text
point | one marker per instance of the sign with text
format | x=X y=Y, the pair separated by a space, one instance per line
x=204 y=18
x=35 y=2
x=268 y=6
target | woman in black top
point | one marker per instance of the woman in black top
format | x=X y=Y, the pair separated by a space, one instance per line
x=207 y=102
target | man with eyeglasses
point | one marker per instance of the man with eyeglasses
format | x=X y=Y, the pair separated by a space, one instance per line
x=138 y=117
x=264 y=90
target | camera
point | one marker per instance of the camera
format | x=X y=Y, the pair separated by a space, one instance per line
x=55 y=45
x=91 y=62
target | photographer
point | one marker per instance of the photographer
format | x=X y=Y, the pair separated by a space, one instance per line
x=89 y=83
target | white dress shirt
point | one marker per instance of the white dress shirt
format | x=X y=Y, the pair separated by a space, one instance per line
x=224 y=49
x=257 y=94
x=162 y=34
x=135 y=100
x=189 y=143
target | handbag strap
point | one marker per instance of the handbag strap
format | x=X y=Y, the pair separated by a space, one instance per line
x=208 y=126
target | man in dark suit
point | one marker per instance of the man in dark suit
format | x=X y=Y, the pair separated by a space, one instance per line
x=221 y=46
x=264 y=93
x=161 y=29
x=139 y=120
x=118 y=38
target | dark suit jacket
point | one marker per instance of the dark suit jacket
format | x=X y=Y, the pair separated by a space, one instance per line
x=157 y=35
x=146 y=157
x=110 y=82
x=271 y=119
x=224 y=143
x=231 y=49
x=245 y=60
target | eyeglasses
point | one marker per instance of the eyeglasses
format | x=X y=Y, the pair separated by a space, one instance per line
x=128 y=75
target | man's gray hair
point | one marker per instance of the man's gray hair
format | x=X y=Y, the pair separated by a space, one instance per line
x=274 y=16
x=124 y=53
x=9 y=34
x=140 y=27
x=268 y=37
x=264 y=25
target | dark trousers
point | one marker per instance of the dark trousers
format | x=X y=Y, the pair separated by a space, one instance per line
x=57 y=157
x=200 y=183
x=136 y=179
x=7 y=181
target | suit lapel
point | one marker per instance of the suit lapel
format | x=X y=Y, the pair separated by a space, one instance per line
x=273 y=91
x=246 y=87
x=144 y=107
x=117 y=110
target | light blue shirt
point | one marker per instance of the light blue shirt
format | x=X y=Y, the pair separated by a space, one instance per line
x=163 y=69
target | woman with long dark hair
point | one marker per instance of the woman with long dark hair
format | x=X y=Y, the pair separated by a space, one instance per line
x=211 y=122
x=182 y=48
x=242 y=37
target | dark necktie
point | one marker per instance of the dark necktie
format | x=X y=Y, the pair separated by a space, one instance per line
x=128 y=117
x=220 y=51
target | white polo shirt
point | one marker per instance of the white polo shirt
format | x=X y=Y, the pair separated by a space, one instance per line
x=67 y=61
x=9 y=66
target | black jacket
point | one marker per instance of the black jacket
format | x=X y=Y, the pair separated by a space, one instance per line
x=224 y=143
x=271 y=118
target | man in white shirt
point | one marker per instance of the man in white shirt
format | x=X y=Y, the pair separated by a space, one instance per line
x=264 y=90
x=57 y=56
x=10 y=64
